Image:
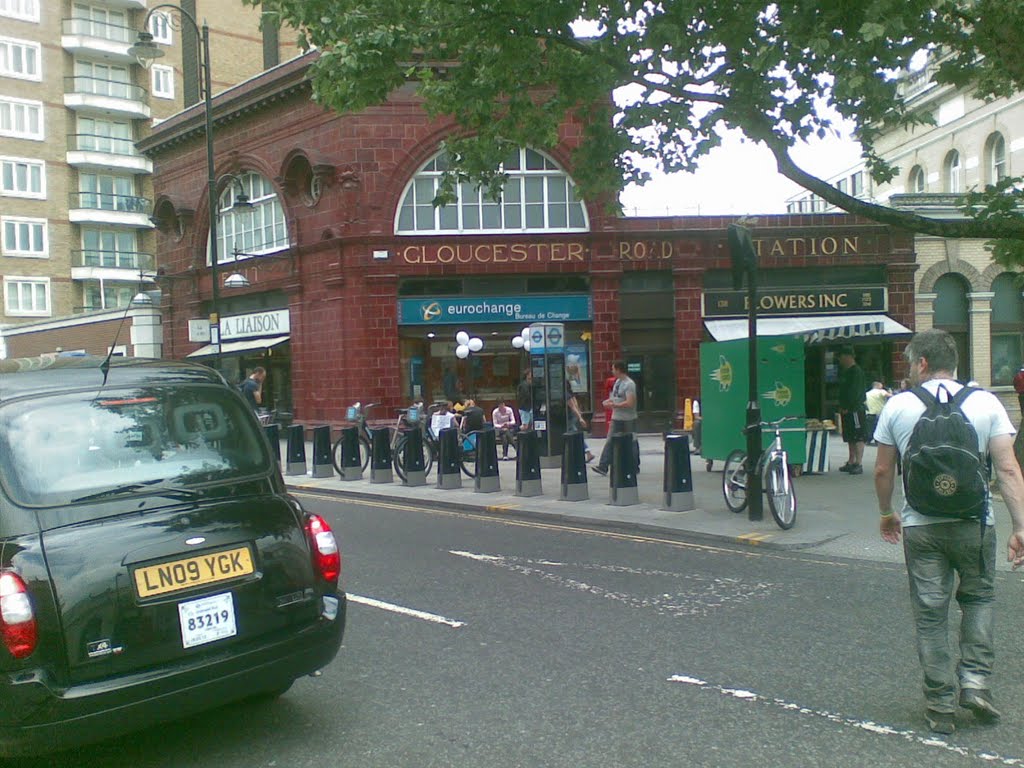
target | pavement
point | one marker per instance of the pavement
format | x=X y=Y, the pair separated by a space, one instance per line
x=837 y=514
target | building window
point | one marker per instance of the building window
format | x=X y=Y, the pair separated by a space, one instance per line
x=21 y=119
x=253 y=231
x=109 y=248
x=104 y=23
x=857 y=184
x=98 y=135
x=951 y=314
x=995 y=157
x=538 y=196
x=26 y=10
x=916 y=183
x=953 y=173
x=27 y=296
x=103 y=79
x=23 y=237
x=20 y=59
x=21 y=177
x=106 y=294
x=163 y=81
x=160 y=28
x=1007 y=328
x=109 y=193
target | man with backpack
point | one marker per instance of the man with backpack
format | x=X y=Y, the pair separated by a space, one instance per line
x=944 y=433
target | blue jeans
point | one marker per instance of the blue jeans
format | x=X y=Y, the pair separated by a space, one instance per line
x=935 y=554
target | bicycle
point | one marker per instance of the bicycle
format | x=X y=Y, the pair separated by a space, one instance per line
x=355 y=416
x=407 y=422
x=775 y=480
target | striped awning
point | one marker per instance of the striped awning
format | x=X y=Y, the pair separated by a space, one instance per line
x=812 y=329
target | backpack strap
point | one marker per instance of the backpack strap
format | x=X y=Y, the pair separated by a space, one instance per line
x=924 y=396
x=963 y=394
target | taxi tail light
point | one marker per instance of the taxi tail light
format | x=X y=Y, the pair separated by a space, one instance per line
x=17 y=616
x=326 y=555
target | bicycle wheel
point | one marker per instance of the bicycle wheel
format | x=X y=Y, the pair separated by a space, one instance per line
x=336 y=456
x=365 y=452
x=734 y=481
x=467 y=460
x=398 y=459
x=781 y=493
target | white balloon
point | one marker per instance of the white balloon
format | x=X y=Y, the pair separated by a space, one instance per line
x=525 y=333
x=526 y=344
x=475 y=344
x=462 y=338
x=518 y=342
x=462 y=352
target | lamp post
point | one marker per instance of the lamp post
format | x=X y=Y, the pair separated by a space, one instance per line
x=145 y=50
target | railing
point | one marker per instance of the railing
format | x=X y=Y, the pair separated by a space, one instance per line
x=103 y=201
x=113 y=32
x=91 y=142
x=133 y=260
x=97 y=86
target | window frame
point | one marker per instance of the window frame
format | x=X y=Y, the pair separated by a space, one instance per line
x=26 y=105
x=996 y=171
x=160 y=27
x=5 y=246
x=238 y=225
x=14 y=192
x=20 y=280
x=917 y=174
x=7 y=10
x=160 y=75
x=32 y=45
x=953 y=170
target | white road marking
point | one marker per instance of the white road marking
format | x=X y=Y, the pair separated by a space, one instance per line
x=433 y=617
x=852 y=722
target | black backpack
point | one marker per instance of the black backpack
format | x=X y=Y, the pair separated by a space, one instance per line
x=944 y=473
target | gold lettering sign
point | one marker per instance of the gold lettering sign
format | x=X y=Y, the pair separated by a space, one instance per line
x=494 y=253
x=657 y=250
x=830 y=245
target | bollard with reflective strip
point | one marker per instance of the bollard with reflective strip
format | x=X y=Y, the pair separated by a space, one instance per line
x=528 y=481
x=296 y=451
x=487 y=479
x=380 y=456
x=574 y=468
x=449 y=472
x=678 y=485
x=273 y=433
x=623 y=470
x=412 y=459
x=351 y=461
x=322 y=466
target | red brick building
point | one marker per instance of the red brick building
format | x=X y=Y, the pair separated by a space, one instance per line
x=357 y=285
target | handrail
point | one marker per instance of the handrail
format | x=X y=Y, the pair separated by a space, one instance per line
x=94 y=257
x=101 y=29
x=98 y=86
x=105 y=201
x=118 y=145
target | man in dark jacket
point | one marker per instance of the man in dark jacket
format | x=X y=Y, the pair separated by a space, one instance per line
x=524 y=399
x=852 y=390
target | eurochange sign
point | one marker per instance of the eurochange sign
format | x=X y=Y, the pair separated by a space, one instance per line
x=495 y=309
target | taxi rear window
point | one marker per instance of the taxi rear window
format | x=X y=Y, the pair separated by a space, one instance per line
x=56 y=449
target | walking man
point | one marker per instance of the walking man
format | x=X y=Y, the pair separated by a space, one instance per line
x=941 y=550
x=622 y=403
x=252 y=387
x=524 y=400
x=874 y=400
x=851 y=405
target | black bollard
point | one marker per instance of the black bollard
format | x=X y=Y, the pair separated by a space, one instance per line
x=380 y=456
x=623 y=471
x=412 y=459
x=487 y=479
x=528 y=481
x=351 y=461
x=296 y=450
x=449 y=473
x=678 y=478
x=273 y=433
x=322 y=466
x=574 y=468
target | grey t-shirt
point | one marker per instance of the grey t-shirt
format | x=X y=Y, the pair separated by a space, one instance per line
x=620 y=393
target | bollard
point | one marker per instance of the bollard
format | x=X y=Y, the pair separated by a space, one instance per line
x=574 y=469
x=351 y=461
x=449 y=473
x=322 y=466
x=380 y=456
x=528 y=481
x=487 y=479
x=273 y=433
x=678 y=479
x=412 y=459
x=622 y=478
x=296 y=450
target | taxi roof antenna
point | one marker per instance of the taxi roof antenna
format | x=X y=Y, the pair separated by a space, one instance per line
x=105 y=365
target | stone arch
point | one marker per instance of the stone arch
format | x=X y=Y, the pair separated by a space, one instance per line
x=974 y=278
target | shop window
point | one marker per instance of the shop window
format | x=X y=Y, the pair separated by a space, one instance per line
x=951 y=313
x=916 y=183
x=255 y=231
x=1007 y=328
x=995 y=158
x=538 y=197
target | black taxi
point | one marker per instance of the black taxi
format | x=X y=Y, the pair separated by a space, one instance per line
x=152 y=563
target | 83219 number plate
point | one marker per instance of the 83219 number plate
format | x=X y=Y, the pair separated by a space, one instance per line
x=207 y=619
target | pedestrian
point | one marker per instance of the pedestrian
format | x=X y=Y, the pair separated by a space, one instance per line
x=852 y=408
x=574 y=421
x=524 y=400
x=609 y=385
x=252 y=387
x=472 y=421
x=622 y=404
x=504 y=420
x=441 y=419
x=937 y=548
x=874 y=400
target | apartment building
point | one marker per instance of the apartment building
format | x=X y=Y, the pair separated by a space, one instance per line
x=75 y=195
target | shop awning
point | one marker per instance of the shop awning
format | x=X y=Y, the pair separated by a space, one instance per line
x=243 y=345
x=813 y=329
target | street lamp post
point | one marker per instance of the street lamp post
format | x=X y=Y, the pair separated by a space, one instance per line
x=145 y=50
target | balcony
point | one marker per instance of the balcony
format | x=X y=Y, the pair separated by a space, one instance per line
x=110 y=265
x=106 y=153
x=93 y=94
x=106 y=208
x=97 y=38
x=133 y=5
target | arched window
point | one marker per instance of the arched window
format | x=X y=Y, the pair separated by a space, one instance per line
x=253 y=231
x=538 y=197
x=995 y=158
x=953 y=173
x=951 y=314
x=1007 y=327
x=916 y=180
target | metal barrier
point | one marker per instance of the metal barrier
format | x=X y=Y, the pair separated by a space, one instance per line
x=528 y=481
x=296 y=451
x=380 y=456
x=574 y=468
x=449 y=471
x=322 y=466
x=487 y=479
x=412 y=459
x=351 y=461
x=678 y=485
x=622 y=478
x=273 y=433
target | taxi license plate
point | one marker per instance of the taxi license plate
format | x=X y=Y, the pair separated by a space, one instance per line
x=162 y=579
x=207 y=619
